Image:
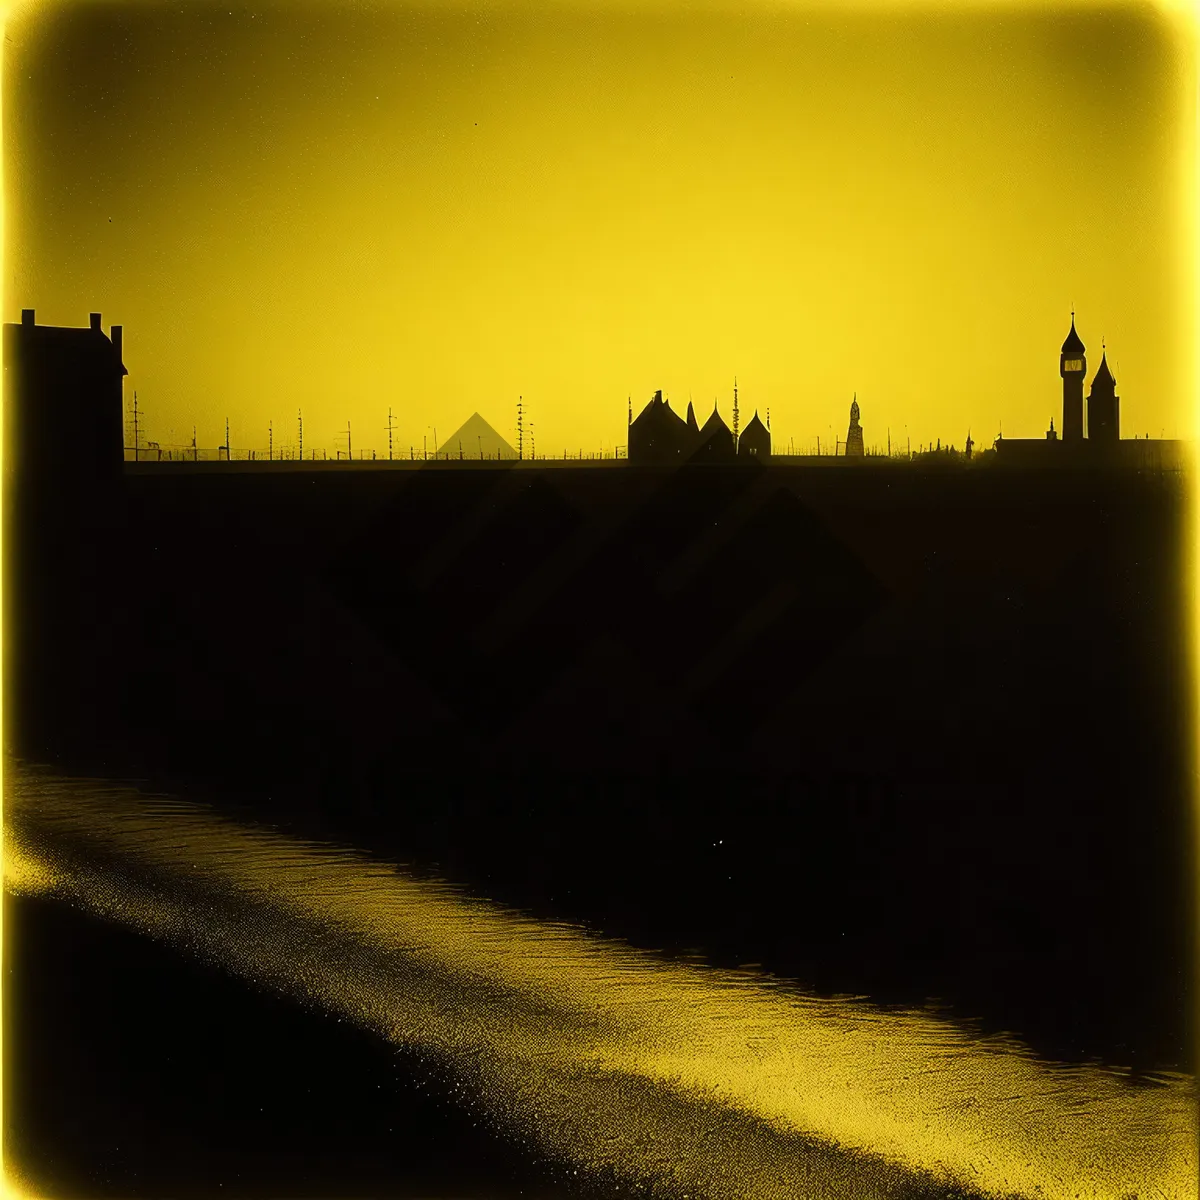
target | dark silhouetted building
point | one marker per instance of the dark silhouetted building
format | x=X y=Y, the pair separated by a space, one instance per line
x=1103 y=407
x=755 y=440
x=64 y=404
x=659 y=434
x=716 y=440
x=64 y=507
x=1072 y=366
x=854 y=435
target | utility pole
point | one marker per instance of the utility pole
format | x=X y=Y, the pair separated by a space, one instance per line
x=390 y=427
x=520 y=428
x=889 y=441
x=300 y=417
x=195 y=453
x=532 y=443
x=349 y=446
x=226 y=439
x=135 y=428
x=270 y=442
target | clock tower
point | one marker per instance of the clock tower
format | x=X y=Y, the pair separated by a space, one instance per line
x=1072 y=366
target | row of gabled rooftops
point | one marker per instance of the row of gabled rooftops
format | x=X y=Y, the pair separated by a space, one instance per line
x=659 y=434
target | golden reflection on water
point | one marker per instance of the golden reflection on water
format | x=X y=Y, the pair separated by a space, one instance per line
x=698 y=1081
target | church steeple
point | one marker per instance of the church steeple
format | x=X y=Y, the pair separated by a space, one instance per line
x=1104 y=405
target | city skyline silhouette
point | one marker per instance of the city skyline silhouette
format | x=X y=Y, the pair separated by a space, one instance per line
x=598 y=601
x=313 y=232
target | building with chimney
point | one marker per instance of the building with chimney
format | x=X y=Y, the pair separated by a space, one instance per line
x=64 y=505
x=659 y=434
x=64 y=401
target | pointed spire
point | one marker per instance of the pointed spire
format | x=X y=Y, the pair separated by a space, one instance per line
x=1073 y=344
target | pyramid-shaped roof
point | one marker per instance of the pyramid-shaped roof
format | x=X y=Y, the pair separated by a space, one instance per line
x=1104 y=376
x=476 y=438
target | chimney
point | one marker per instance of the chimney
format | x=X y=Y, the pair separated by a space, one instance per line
x=95 y=321
x=27 y=316
x=116 y=341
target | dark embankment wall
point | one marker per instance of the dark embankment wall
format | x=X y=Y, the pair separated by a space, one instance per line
x=891 y=730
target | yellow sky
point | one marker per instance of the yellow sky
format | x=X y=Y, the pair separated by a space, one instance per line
x=343 y=208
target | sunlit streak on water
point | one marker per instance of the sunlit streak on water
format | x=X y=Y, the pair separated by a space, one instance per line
x=703 y=1082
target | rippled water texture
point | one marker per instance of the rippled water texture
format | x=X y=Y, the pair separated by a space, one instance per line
x=697 y=1082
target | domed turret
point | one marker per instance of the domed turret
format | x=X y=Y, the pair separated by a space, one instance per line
x=1074 y=343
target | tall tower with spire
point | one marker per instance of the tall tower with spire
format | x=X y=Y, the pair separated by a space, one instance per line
x=854 y=435
x=1072 y=366
x=1103 y=406
x=736 y=419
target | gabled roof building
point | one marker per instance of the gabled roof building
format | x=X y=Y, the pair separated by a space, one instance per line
x=755 y=440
